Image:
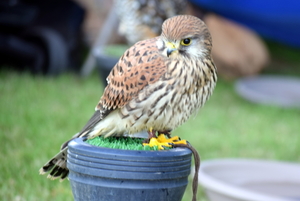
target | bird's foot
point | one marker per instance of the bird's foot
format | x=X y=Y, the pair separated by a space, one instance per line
x=162 y=142
x=166 y=132
x=151 y=134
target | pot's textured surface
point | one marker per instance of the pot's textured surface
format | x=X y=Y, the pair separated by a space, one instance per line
x=111 y=174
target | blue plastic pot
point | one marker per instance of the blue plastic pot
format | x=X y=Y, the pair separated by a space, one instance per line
x=104 y=174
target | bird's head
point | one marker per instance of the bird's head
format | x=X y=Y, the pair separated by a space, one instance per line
x=184 y=36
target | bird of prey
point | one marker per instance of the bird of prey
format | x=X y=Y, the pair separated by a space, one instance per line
x=156 y=86
x=144 y=17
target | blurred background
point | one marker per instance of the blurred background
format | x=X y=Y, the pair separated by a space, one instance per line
x=55 y=55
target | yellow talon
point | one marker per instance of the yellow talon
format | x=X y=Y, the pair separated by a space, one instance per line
x=162 y=138
x=161 y=141
x=155 y=142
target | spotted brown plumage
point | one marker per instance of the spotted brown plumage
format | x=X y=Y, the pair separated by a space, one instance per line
x=139 y=66
x=156 y=86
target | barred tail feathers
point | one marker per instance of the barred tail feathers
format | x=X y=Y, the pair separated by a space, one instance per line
x=57 y=166
x=108 y=126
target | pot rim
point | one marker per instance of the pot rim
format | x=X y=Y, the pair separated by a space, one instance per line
x=79 y=146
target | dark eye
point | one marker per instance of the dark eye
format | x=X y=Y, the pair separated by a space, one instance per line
x=186 y=41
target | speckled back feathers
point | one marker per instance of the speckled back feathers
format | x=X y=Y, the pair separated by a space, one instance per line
x=139 y=66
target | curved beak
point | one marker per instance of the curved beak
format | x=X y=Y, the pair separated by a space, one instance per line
x=170 y=48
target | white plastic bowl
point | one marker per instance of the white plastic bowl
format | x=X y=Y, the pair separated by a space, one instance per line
x=255 y=180
x=282 y=91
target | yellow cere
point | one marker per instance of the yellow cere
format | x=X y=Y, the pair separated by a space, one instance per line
x=171 y=45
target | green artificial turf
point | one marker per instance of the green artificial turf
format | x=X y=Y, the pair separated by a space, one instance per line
x=125 y=143
x=38 y=114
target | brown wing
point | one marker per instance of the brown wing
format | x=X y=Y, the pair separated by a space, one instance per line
x=139 y=66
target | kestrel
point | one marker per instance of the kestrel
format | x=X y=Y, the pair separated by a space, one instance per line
x=156 y=86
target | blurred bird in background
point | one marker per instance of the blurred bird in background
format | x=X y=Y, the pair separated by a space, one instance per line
x=142 y=19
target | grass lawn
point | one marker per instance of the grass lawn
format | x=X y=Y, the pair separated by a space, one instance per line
x=38 y=114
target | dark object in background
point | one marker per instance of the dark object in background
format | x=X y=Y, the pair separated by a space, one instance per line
x=105 y=63
x=43 y=36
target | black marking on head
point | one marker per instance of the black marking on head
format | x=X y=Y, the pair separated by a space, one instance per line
x=184 y=53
